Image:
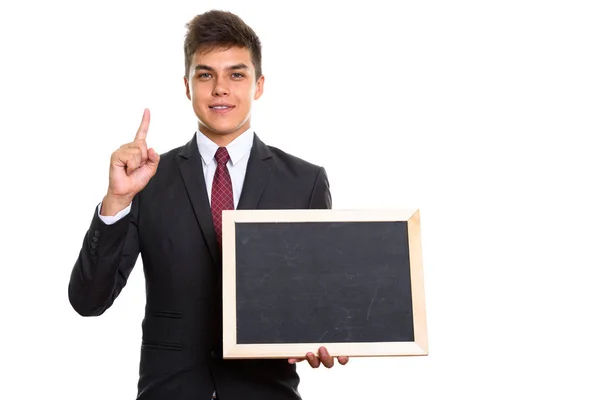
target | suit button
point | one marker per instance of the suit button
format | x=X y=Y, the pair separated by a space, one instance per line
x=95 y=239
x=94 y=245
x=97 y=233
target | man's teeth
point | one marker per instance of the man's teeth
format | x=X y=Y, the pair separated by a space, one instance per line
x=220 y=107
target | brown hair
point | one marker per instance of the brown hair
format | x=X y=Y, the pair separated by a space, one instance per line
x=220 y=29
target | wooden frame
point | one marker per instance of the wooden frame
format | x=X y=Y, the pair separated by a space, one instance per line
x=231 y=349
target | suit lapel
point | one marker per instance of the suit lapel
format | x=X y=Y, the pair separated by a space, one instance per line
x=192 y=172
x=257 y=175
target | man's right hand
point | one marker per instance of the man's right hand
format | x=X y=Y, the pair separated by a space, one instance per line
x=131 y=168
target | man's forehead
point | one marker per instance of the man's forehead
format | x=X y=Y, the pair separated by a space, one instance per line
x=221 y=55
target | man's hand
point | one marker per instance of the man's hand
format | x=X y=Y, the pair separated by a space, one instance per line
x=131 y=168
x=323 y=357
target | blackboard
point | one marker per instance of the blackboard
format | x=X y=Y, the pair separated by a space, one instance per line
x=294 y=280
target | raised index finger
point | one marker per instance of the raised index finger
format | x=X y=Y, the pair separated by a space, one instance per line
x=143 y=129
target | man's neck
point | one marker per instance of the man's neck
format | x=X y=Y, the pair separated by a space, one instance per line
x=222 y=140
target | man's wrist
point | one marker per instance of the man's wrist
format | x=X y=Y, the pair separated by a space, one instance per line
x=112 y=205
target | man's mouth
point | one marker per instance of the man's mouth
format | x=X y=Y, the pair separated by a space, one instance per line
x=221 y=107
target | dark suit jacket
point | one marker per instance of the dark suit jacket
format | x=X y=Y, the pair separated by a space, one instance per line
x=170 y=225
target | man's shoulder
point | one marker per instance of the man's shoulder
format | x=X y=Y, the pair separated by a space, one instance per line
x=174 y=152
x=292 y=162
x=169 y=157
x=169 y=163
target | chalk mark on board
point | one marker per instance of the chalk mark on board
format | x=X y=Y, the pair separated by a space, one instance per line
x=376 y=290
x=322 y=336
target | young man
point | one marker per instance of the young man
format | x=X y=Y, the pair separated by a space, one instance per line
x=168 y=209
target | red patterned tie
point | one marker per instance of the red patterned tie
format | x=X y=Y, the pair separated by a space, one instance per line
x=222 y=193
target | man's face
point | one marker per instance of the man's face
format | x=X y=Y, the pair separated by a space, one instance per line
x=222 y=85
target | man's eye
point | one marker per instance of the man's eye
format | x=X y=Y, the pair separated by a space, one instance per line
x=237 y=75
x=204 y=75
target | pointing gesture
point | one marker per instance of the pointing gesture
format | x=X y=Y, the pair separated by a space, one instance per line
x=143 y=129
x=131 y=168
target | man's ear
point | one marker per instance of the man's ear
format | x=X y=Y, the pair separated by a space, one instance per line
x=186 y=82
x=258 y=91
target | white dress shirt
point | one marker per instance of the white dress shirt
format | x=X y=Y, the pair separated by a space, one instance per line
x=239 y=154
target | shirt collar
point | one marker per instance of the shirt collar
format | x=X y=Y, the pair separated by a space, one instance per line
x=237 y=149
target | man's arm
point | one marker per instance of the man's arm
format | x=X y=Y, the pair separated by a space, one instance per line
x=321 y=195
x=106 y=259
x=110 y=250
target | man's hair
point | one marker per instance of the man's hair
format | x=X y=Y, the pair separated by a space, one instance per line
x=220 y=29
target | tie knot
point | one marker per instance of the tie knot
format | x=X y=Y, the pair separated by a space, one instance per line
x=222 y=156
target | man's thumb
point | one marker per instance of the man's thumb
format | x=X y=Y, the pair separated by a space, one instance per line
x=153 y=157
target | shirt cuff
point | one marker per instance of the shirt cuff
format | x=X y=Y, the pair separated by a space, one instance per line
x=109 y=219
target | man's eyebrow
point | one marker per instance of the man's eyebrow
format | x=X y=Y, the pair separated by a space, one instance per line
x=238 y=66
x=204 y=67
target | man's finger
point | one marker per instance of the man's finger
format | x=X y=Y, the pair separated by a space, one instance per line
x=135 y=154
x=143 y=129
x=343 y=360
x=313 y=360
x=326 y=359
x=153 y=157
x=142 y=147
x=131 y=165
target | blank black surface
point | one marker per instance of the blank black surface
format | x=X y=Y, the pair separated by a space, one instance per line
x=317 y=282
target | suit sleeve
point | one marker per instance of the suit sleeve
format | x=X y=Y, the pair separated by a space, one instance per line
x=106 y=258
x=321 y=194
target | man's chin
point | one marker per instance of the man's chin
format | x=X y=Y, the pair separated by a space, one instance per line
x=221 y=129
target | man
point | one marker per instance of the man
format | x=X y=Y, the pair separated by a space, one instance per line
x=168 y=209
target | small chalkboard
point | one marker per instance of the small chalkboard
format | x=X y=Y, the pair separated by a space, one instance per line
x=349 y=280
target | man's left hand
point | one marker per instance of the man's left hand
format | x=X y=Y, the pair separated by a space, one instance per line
x=323 y=357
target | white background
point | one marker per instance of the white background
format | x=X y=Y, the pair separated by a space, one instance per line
x=481 y=114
